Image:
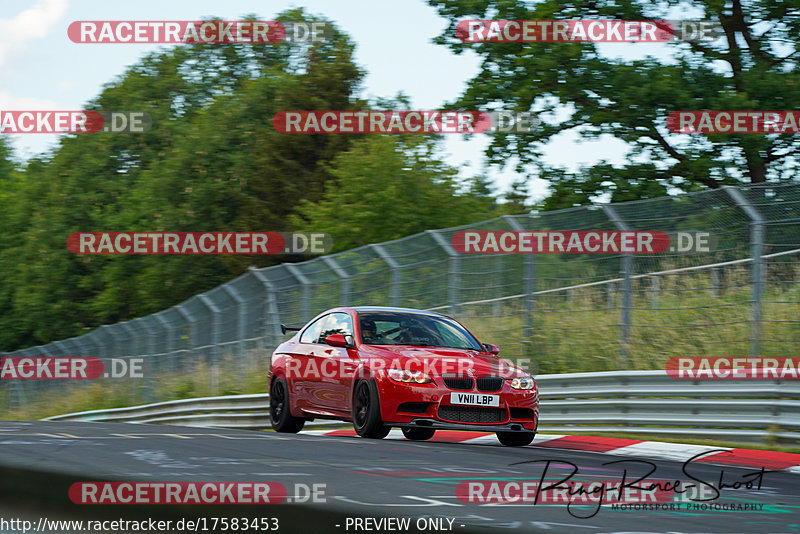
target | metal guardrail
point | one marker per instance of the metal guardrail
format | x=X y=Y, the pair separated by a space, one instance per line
x=642 y=402
x=245 y=412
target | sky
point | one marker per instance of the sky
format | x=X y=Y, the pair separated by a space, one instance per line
x=42 y=69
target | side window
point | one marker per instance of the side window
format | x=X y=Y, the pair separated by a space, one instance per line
x=337 y=323
x=311 y=333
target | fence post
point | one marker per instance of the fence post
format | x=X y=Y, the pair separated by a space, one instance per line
x=305 y=295
x=61 y=347
x=192 y=320
x=98 y=346
x=627 y=290
x=149 y=368
x=274 y=333
x=343 y=276
x=127 y=328
x=454 y=263
x=757 y=272
x=242 y=320
x=110 y=345
x=215 y=311
x=655 y=287
x=170 y=341
x=394 y=291
x=113 y=338
x=528 y=281
x=714 y=282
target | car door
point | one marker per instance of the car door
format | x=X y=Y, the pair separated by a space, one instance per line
x=335 y=365
x=300 y=371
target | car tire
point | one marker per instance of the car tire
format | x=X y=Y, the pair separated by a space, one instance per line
x=515 y=439
x=280 y=415
x=418 y=433
x=367 y=411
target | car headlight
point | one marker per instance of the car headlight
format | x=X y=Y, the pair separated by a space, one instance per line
x=414 y=377
x=523 y=382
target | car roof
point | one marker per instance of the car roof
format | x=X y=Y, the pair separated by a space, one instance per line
x=396 y=309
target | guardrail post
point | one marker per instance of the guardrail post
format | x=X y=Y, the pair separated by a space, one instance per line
x=242 y=320
x=454 y=262
x=305 y=295
x=529 y=283
x=627 y=290
x=215 y=311
x=273 y=329
x=343 y=276
x=757 y=275
x=394 y=290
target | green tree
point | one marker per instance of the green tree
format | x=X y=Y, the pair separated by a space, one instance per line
x=753 y=67
x=386 y=187
x=212 y=161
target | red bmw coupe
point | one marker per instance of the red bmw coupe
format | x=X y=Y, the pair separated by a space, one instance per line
x=396 y=367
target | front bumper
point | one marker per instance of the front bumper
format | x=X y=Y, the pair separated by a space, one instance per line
x=419 y=405
x=446 y=425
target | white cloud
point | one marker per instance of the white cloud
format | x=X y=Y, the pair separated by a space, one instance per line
x=31 y=24
x=9 y=101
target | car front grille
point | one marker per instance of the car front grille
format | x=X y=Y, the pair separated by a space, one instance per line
x=468 y=414
x=489 y=383
x=463 y=383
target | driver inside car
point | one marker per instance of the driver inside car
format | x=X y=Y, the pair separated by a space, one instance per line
x=369 y=333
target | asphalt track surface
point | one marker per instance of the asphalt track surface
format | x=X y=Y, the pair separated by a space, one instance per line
x=364 y=479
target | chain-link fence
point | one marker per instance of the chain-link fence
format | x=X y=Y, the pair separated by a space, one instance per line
x=566 y=312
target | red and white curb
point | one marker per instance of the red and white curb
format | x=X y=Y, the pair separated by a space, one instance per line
x=770 y=460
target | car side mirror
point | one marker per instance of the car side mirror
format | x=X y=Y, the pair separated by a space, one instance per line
x=336 y=340
x=494 y=349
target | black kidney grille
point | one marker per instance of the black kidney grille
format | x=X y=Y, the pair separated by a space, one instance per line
x=464 y=383
x=489 y=383
x=468 y=414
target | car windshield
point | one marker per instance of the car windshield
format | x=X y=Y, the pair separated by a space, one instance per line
x=399 y=328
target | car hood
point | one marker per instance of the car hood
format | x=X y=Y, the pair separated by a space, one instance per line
x=441 y=360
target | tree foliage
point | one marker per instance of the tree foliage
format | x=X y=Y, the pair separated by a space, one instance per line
x=386 y=187
x=752 y=67
x=211 y=162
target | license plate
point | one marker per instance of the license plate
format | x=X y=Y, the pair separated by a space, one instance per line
x=475 y=399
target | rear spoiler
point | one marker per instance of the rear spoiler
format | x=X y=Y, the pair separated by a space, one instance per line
x=285 y=328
